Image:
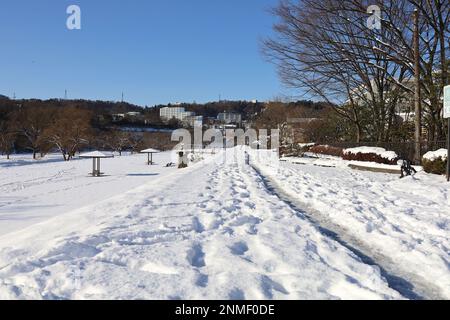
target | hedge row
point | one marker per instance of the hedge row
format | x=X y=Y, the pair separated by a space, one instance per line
x=438 y=166
x=327 y=150
x=368 y=157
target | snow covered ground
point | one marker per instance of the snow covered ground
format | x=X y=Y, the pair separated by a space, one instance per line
x=322 y=160
x=404 y=224
x=220 y=229
x=33 y=191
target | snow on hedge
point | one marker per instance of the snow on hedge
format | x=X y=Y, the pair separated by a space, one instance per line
x=390 y=155
x=434 y=155
x=303 y=145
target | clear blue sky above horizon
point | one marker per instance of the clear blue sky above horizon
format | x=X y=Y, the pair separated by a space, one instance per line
x=155 y=51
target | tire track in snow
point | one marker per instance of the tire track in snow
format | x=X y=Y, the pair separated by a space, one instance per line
x=244 y=183
x=238 y=218
x=408 y=285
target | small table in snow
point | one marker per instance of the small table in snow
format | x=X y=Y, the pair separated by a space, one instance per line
x=150 y=153
x=96 y=156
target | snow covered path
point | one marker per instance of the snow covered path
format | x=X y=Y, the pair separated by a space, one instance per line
x=403 y=225
x=213 y=230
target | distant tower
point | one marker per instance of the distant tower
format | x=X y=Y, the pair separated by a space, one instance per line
x=122 y=97
x=65 y=94
x=14 y=96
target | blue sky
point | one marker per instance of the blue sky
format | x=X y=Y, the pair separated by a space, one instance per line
x=155 y=51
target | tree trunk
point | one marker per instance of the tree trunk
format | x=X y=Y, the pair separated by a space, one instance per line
x=358 y=132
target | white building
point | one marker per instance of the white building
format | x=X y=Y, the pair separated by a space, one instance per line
x=179 y=113
x=194 y=121
x=229 y=117
x=404 y=107
x=118 y=117
x=133 y=114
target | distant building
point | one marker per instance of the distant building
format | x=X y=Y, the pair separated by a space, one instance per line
x=404 y=107
x=406 y=116
x=188 y=118
x=178 y=113
x=133 y=114
x=194 y=121
x=230 y=118
x=117 y=117
x=130 y=116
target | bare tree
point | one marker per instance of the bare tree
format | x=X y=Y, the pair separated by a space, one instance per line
x=70 y=131
x=118 y=141
x=8 y=136
x=31 y=122
x=158 y=140
x=135 y=141
x=433 y=29
x=326 y=49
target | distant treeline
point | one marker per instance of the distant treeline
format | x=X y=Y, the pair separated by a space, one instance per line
x=248 y=109
x=102 y=111
x=70 y=126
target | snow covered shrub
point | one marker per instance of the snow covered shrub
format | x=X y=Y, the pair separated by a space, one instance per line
x=435 y=161
x=327 y=150
x=295 y=149
x=195 y=157
x=305 y=147
x=289 y=151
x=371 y=154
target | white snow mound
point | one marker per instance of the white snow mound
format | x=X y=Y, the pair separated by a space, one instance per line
x=434 y=155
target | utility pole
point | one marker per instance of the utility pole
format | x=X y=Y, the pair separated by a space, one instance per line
x=417 y=96
x=448 y=150
x=65 y=94
x=447 y=116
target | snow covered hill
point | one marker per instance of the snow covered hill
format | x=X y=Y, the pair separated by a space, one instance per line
x=220 y=229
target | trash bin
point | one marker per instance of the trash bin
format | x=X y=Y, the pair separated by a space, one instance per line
x=182 y=160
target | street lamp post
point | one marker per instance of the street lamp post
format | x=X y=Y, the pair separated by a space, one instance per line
x=447 y=116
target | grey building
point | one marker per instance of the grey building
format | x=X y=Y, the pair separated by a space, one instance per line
x=230 y=117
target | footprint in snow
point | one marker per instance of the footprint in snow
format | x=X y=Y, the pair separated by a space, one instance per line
x=196 y=256
x=202 y=280
x=239 y=248
x=197 y=225
x=250 y=205
x=268 y=286
x=236 y=294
